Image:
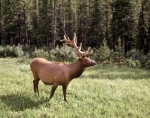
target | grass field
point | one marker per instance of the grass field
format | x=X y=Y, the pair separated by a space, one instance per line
x=101 y=92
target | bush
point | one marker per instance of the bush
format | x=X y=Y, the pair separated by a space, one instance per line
x=39 y=53
x=140 y=56
x=28 y=50
x=147 y=64
x=65 y=53
x=132 y=63
x=2 y=51
x=11 y=51
x=18 y=51
x=134 y=54
x=102 y=54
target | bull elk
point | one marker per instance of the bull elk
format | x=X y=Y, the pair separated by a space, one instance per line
x=60 y=73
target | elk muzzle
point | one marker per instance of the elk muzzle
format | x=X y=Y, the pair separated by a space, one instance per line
x=93 y=63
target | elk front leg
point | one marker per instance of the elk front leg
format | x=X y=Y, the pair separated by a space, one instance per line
x=64 y=88
x=53 y=90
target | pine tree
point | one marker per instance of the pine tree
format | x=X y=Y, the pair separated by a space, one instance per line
x=34 y=22
x=107 y=19
x=44 y=29
x=143 y=27
x=141 y=36
x=96 y=32
x=123 y=23
x=83 y=21
x=9 y=21
x=1 y=21
x=118 y=52
x=147 y=8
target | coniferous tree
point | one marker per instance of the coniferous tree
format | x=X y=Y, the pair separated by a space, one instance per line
x=96 y=32
x=83 y=21
x=123 y=24
x=141 y=36
x=147 y=8
x=54 y=24
x=9 y=21
x=1 y=22
x=143 y=27
x=43 y=26
x=34 y=22
x=107 y=20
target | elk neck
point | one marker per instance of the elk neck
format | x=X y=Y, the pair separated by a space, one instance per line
x=76 y=69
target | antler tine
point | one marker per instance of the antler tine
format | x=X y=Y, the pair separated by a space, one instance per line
x=66 y=40
x=74 y=44
x=75 y=41
x=88 y=51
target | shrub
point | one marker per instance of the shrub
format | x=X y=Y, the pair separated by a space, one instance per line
x=132 y=63
x=39 y=53
x=11 y=51
x=65 y=53
x=134 y=54
x=18 y=51
x=28 y=50
x=8 y=51
x=2 y=51
x=147 y=64
x=140 y=56
x=102 y=54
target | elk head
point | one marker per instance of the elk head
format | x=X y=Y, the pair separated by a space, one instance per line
x=82 y=55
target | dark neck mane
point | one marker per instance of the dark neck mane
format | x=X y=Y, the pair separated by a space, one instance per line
x=76 y=69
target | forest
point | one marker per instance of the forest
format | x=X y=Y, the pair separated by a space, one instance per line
x=44 y=22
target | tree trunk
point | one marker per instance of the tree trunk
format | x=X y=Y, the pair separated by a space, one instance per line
x=20 y=28
x=64 y=18
x=123 y=45
x=1 y=28
x=25 y=23
x=106 y=22
x=54 y=36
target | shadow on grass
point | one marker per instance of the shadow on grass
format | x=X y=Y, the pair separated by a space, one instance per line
x=20 y=102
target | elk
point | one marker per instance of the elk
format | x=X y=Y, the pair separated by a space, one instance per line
x=59 y=73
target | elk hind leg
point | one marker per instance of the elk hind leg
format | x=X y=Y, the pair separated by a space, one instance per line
x=35 y=85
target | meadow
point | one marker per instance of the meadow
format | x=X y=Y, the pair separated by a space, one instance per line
x=103 y=91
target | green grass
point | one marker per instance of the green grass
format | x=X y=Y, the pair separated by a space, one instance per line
x=101 y=92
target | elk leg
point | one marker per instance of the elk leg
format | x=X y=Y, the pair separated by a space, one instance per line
x=34 y=88
x=35 y=84
x=64 y=92
x=53 y=90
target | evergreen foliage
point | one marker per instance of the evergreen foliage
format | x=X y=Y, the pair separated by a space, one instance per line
x=123 y=23
x=117 y=55
x=102 y=54
x=35 y=23
x=96 y=31
x=43 y=23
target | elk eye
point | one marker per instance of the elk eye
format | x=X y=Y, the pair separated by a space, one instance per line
x=83 y=56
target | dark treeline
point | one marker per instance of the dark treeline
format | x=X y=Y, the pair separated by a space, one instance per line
x=44 y=22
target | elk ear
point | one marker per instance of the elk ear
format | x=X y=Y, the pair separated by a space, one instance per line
x=82 y=57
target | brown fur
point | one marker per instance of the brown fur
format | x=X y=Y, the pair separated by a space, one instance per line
x=57 y=73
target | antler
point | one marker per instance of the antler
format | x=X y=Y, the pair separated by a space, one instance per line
x=74 y=44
